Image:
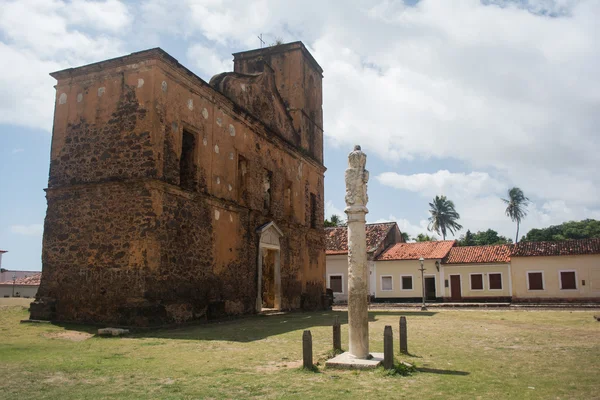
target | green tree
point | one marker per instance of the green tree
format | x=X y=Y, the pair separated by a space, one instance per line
x=466 y=239
x=333 y=221
x=516 y=207
x=482 y=238
x=421 y=237
x=405 y=237
x=443 y=217
x=585 y=229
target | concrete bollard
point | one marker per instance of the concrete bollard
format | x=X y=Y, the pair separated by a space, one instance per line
x=403 y=336
x=388 y=348
x=307 y=354
x=337 y=334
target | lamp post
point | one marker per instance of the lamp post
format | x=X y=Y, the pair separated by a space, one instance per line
x=422 y=269
x=14 y=280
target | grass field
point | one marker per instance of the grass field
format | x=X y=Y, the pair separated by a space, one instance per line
x=460 y=354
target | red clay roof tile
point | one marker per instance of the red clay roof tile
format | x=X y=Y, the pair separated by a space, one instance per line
x=414 y=251
x=560 y=248
x=479 y=254
x=31 y=280
x=337 y=238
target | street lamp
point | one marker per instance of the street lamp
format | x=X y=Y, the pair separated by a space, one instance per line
x=422 y=269
x=14 y=280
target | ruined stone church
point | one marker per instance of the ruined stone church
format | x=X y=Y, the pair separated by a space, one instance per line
x=171 y=199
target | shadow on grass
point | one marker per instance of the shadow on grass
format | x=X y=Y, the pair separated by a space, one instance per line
x=442 y=371
x=245 y=329
x=402 y=313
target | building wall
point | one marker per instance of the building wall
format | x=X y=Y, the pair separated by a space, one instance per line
x=465 y=271
x=338 y=265
x=123 y=243
x=586 y=267
x=19 y=291
x=396 y=269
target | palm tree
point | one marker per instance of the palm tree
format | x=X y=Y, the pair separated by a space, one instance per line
x=443 y=216
x=516 y=207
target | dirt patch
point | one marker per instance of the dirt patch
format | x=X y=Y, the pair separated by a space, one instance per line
x=73 y=336
x=273 y=366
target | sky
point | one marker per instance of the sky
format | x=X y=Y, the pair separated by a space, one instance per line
x=464 y=98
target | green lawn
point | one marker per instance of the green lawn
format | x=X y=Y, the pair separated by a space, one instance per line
x=461 y=354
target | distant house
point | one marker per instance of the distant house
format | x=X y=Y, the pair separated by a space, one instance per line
x=25 y=284
x=477 y=273
x=379 y=237
x=398 y=276
x=568 y=270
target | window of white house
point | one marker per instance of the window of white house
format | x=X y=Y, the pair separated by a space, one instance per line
x=476 y=282
x=407 y=282
x=495 y=281
x=335 y=284
x=386 y=283
x=535 y=281
x=568 y=280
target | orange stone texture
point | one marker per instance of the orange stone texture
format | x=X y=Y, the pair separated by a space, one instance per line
x=159 y=180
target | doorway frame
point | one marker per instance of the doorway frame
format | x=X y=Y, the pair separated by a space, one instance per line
x=268 y=239
x=435 y=292
x=460 y=282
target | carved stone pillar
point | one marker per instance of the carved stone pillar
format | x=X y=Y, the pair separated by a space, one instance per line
x=358 y=272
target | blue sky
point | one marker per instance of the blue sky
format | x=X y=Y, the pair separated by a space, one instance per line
x=462 y=98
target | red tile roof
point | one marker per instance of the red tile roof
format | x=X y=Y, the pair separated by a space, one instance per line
x=31 y=280
x=414 y=251
x=560 y=248
x=337 y=238
x=479 y=254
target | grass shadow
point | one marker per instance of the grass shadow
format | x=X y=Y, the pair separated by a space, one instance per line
x=374 y=314
x=442 y=371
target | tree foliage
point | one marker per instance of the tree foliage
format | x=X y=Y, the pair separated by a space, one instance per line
x=516 y=207
x=586 y=229
x=444 y=217
x=334 y=221
x=482 y=238
x=421 y=237
x=405 y=237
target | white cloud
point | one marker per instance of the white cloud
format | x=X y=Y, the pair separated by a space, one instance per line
x=443 y=182
x=15 y=151
x=406 y=226
x=207 y=60
x=28 y=230
x=52 y=38
x=331 y=209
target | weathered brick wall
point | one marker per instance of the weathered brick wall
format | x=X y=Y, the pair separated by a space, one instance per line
x=99 y=247
x=124 y=244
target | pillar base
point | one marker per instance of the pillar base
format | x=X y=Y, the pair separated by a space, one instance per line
x=348 y=361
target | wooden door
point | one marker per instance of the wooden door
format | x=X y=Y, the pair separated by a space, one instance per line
x=455 y=288
x=430 y=289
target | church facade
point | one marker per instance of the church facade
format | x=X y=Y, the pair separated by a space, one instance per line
x=171 y=199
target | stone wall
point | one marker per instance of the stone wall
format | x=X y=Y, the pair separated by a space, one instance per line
x=129 y=241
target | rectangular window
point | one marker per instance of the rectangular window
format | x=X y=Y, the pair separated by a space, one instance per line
x=407 y=283
x=267 y=181
x=567 y=280
x=187 y=169
x=535 y=280
x=287 y=196
x=335 y=283
x=495 y=281
x=386 y=283
x=476 y=282
x=241 y=182
x=313 y=210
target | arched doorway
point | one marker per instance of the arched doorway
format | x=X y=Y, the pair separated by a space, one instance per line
x=269 y=267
